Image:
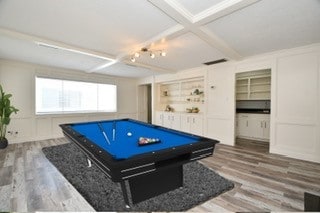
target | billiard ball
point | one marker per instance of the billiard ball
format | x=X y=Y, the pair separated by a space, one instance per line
x=129 y=134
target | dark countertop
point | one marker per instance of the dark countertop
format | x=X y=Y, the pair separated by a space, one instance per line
x=254 y=111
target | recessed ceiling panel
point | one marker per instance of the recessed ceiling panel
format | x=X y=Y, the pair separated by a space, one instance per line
x=125 y=70
x=105 y=26
x=270 y=25
x=15 y=49
x=196 y=6
x=184 y=52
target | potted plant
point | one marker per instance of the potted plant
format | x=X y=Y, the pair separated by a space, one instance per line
x=5 y=112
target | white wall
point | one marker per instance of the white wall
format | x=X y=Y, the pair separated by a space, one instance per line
x=295 y=99
x=19 y=79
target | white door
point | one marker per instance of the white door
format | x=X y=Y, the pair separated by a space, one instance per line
x=143 y=103
x=220 y=91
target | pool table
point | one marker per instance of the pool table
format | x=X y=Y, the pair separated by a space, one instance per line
x=143 y=170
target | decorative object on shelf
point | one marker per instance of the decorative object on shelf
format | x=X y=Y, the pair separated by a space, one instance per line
x=192 y=110
x=196 y=92
x=150 y=52
x=169 y=109
x=195 y=109
x=165 y=93
x=6 y=109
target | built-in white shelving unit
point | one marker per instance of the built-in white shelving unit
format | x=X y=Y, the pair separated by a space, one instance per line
x=182 y=92
x=256 y=86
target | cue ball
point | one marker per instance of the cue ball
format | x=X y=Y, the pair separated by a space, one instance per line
x=129 y=134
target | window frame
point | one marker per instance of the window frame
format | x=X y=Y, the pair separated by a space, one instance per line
x=65 y=112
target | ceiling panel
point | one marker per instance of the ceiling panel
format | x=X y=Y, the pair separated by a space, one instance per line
x=184 y=52
x=21 y=50
x=270 y=25
x=125 y=70
x=112 y=27
x=196 y=6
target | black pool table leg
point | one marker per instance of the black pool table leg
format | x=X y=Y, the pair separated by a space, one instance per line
x=125 y=193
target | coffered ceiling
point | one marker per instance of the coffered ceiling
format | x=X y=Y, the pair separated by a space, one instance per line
x=100 y=36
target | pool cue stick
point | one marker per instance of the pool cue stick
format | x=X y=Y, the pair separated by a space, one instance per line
x=104 y=133
x=114 y=130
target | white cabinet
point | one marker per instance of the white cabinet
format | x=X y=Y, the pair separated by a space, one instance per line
x=192 y=124
x=253 y=126
x=171 y=120
x=159 y=118
x=186 y=122
x=243 y=125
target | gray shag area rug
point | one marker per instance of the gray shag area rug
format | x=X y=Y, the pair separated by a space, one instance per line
x=200 y=184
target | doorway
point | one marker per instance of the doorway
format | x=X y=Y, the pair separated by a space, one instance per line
x=253 y=108
x=145 y=103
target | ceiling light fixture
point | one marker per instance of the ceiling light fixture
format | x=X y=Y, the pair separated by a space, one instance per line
x=144 y=50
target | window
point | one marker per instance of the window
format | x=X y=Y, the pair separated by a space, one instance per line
x=62 y=96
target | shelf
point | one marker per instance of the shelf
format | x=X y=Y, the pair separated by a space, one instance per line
x=179 y=91
x=244 y=85
x=254 y=86
x=193 y=88
x=266 y=83
x=169 y=96
x=260 y=91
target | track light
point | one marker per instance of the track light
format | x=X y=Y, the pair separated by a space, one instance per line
x=162 y=53
x=136 y=54
x=151 y=52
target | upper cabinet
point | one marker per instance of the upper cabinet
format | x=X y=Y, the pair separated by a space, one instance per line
x=254 y=85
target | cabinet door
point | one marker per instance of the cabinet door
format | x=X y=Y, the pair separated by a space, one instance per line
x=243 y=126
x=159 y=118
x=196 y=125
x=266 y=130
x=167 y=120
x=175 y=121
x=185 y=123
x=256 y=127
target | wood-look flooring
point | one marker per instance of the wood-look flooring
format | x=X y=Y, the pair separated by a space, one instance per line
x=263 y=181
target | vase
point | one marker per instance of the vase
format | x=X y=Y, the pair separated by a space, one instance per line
x=3 y=143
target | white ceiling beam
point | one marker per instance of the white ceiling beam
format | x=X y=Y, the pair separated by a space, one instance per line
x=176 y=11
x=222 y=9
x=54 y=44
x=153 y=68
x=216 y=42
x=167 y=34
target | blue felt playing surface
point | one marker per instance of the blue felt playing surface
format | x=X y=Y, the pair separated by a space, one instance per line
x=125 y=146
